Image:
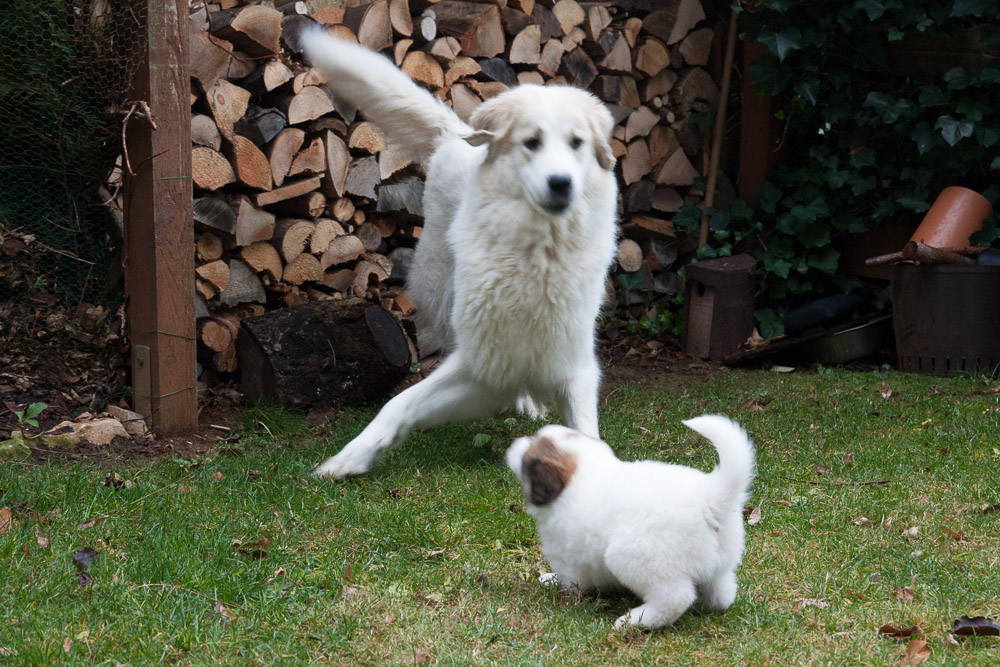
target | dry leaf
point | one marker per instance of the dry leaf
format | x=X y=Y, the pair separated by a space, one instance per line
x=421 y=657
x=67 y=644
x=84 y=558
x=886 y=391
x=823 y=470
x=904 y=594
x=114 y=480
x=6 y=519
x=7 y=652
x=349 y=592
x=956 y=535
x=911 y=531
x=227 y=615
x=90 y=523
x=754 y=517
x=990 y=509
x=977 y=625
x=899 y=633
x=218 y=476
x=847 y=458
x=84 y=579
x=917 y=652
x=861 y=521
x=43 y=542
x=811 y=602
x=183 y=489
x=784 y=503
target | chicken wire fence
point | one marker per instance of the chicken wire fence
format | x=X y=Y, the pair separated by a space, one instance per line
x=64 y=86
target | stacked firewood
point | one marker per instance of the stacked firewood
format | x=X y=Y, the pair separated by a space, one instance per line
x=298 y=198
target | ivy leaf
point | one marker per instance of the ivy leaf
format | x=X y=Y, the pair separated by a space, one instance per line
x=995 y=165
x=825 y=260
x=973 y=7
x=770 y=323
x=874 y=8
x=768 y=77
x=914 y=202
x=780 y=42
x=953 y=130
x=808 y=90
x=987 y=136
x=815 y=235
x=925 y=137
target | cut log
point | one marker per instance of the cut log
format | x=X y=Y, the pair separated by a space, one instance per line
x=386 y=226
x=428 y=25
x=569 y=14
x=640 y=122
x=326 y=230
x=219 y=331
x=662 y=142
x=631 y=30
x=338 y=280
x=282 y=152
x=391 y=160
x=255 y=29
x=636 y=162
x=362 y=177
x=228 y=103
x=629 y=93
x=204 y=132
x=249 y=163
x=342 y=32
x=697 y=46
x=476 y=26
x=629 y=256
x=667 y=200
x=275 y=74
x=400 y=17
x=659 y=85
x=310 y=160
x=424 y=68
x=338 y=159
x=287 y=191
x=366 y=136
x=215 y=213
x=651 y=225
x=210 y=170
x=551 y=57
x=460 y=68
x=498 y=70
x=302 y=269
x=343 y=209
x=547 y=22
x=244 y=286
x=310 y=77
x=444 y=49
x=341 y=250
x=676 y=170
x=370 y=236
x=226 y=361
x=204 y=289
x=573 y=39
x=369 y=275
x=530 y=77
x=619 y=58
x=208 y=247
x=261 y=125
x=674 y=20
x=526 y=6
x=651 y=57
x=463 y=101
x=252 y=224
x=526 y=47
x=400 y=49
x=215 y=273
x=578 y=68
x=210 y=56
x=638 y=197
x=293 y=27
x=263 y=258
x=291 y=237
x=307 y=105
x=329 y=15
x=598 y=18
x=241 y=66
x=322 y=353
x=371 y=23
x=309 y=205
x=695 y=84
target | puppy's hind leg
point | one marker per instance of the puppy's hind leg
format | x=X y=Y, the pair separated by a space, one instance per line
x=447 y=394
x=719 y=593
x=661 y=607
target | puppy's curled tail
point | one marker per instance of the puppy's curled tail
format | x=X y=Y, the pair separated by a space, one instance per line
x=735 y=471
x=411 y=118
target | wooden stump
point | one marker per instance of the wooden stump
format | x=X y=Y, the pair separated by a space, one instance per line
x=322 y=353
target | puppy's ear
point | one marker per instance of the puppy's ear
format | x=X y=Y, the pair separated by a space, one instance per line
x=547 y=470
x=479 y=137
x=492 y=121
x=601 y=125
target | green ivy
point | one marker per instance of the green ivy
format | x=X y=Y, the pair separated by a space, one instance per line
x=864 y=146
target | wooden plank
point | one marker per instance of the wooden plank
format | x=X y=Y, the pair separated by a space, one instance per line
x=159 y=232
x=760 y=132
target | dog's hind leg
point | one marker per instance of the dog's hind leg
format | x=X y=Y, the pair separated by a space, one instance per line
x=719 y=593
x=662 y=606
x=447 y=394
x=577 y=400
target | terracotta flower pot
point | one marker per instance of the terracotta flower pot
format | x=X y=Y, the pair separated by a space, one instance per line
x=956 y=214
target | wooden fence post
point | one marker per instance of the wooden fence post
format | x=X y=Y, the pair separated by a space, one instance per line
x=159 y=236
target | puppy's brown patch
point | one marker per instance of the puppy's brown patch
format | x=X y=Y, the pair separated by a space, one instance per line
x=548 y=470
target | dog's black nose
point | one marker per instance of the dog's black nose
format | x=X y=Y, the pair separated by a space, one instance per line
x=560 y=186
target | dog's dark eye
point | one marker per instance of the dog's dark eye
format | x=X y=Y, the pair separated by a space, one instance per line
x=533 y=143
x=575 y=142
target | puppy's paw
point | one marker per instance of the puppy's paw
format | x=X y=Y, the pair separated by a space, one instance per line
x=527 y=406
x=549 y=579
x=343 y=465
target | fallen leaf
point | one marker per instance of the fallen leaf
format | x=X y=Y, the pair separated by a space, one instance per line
x=899 y=633
x=218 y=476
x=421 y=657
x=84 y=558
x=349 y=592
x=7 y=652
x=227 y=615
x=886 y=391
x=393 y=493
x=483 y=581
x=980 y=626
x=90 y=523
x=754 y=517
x=6 y=519
x=917 y=652
x=811 y=602
x=84 y=579
x=904 y=594
x=990 y=509
x=823 y=470
x=114 y=480
x=861 y=521
x=250 y=473
x=784 y=503
x=184 y=489
x=43 y=542
x=256 y=550
x=848 y=458
x=911 y=531
x=67 y=644
x=956 y=535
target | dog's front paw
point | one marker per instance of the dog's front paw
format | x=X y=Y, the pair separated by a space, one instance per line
x=527 y=406
x=549 y=579
x=343 y=465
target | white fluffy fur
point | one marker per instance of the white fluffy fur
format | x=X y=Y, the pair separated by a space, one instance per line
x=670 y=534
x=509 y=273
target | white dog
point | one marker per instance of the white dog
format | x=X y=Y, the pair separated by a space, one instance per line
x=508 y=277
x=671 y=535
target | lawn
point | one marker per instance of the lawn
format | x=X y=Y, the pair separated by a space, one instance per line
x=879 y=498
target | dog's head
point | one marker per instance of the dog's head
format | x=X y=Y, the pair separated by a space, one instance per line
x=547 y=140
x=545 y=463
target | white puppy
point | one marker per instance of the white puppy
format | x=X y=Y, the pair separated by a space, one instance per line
x=508 y=277
x=670 y=534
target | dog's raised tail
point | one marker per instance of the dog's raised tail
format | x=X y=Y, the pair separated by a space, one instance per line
x=411 y=118
x=735 y=471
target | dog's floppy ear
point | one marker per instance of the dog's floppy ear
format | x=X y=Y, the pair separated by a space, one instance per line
x=547 y=470
x=492 y=123
x=601 y=125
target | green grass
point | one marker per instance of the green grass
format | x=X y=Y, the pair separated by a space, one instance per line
x=430 y=557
